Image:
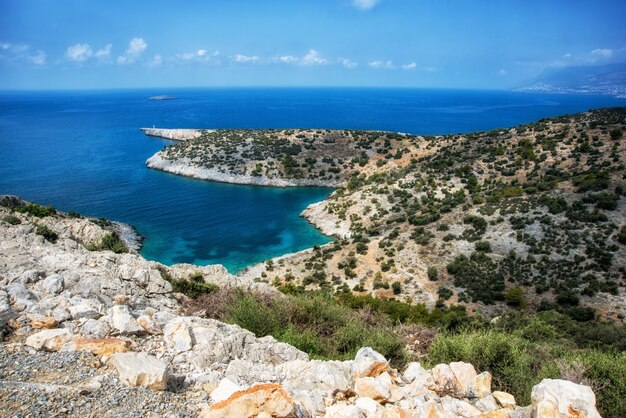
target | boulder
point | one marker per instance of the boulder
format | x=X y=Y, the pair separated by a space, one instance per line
x=85 y=308
x=483 y=385
x=562 y=398
x=123 y=321
x=95 y=328
x=224 y=390
x=369 y=363
x=377 y=388
x=457 y=379
x=141 y=369
x=53 y=284
x=50 y=339
x=102 y=346
x=41 y=321
x=259 y=399
x=177 y=335
x=342 y=411
x=369 y=407
x=505 y=400
x=147 y=323
x=412 y=371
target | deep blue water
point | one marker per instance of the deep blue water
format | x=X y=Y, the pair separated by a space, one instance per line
x=83 y=151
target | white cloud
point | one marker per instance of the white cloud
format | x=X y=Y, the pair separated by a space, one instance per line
x=348 y=63
x=136 y=47
x=288 y=59
x=365 y=4
x=79 y=52
x=502 y=72
x=104 y=53
x=39 y=58
x=409 y=67
x=201 y=52
x=313 y=58
x=155 y=61
x=602 y=53
x=245 y=58
x=382 y=65
x=5 y=45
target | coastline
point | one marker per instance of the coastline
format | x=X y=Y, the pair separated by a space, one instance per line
x=184 y=168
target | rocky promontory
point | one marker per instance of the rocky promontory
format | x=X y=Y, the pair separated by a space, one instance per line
x=173 y=134
x=89 y=332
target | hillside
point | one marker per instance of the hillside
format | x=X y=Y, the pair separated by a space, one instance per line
x=599 y=79
x=531 y=217
x=88 y=328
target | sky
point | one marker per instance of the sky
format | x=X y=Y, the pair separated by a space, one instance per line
x=496 y=44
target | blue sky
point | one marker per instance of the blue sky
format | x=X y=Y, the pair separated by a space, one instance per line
x=418 y=43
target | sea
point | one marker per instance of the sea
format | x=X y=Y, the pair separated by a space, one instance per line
x=83 y=151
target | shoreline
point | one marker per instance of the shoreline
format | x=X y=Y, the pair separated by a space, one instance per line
x=181 y=168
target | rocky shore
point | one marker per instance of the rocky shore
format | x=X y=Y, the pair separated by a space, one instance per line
x=94 y=333
x=187 y=168
x=173 y=134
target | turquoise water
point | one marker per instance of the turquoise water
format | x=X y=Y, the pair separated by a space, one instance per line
x=83 y=151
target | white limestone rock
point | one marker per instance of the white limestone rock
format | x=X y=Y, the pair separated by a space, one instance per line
x=563 y=399
x=140 y=369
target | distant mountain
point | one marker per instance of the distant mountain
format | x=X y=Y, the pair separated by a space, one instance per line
x=604 y=79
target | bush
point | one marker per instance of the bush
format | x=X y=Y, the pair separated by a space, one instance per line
x=36 y=210
x=11 y=219
x=507 y=357
x=515 y=297
x=616 y=134
x=192 y=288
x=432 y=273
x=621 y=235
x=483 y=246
x=111 y=241
x=396 y=287
x=47 y=233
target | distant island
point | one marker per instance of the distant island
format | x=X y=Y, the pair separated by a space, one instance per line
x=162 y=97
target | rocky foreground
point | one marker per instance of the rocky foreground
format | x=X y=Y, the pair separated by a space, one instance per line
x=95 y=333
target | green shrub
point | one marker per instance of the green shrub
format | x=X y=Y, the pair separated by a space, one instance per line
x=47 y=233
x=593 y=180
x=432 y=273
x=11 y=219
x=396 y=287
x=111 y=241
x=508 y=358
x=514 y=296
x=192 y=288
x=261 y=317
x=36 y=210
x=616 y=133
x=483 y=246
x=621 y=235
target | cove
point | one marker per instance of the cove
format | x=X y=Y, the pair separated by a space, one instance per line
x=83 y=151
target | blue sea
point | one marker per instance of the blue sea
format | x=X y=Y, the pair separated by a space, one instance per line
x=83 y=151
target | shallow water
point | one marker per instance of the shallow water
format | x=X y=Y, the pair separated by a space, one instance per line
x=83 y=151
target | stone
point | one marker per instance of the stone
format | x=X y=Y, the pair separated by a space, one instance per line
x=457 y=379
x=95 y=328
x=123 y=321
x=101 y=346
x=50 y=339
x=326 y=376
x=177 y=336
x=263 y=398
x=369 y=363
x=562 y=398
x=377 y=388
x=147 y=323
x=342 y=411
x=140 y=369
x=487 y=403
x=506 y=400
x=412 y=371
x=40 y=321
x=458 y=407
x=84 y=308
x=53 y=284
x=465 y=376
x=483 y=385
x=394 y=411
x=224 y=390
x=369 y=407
